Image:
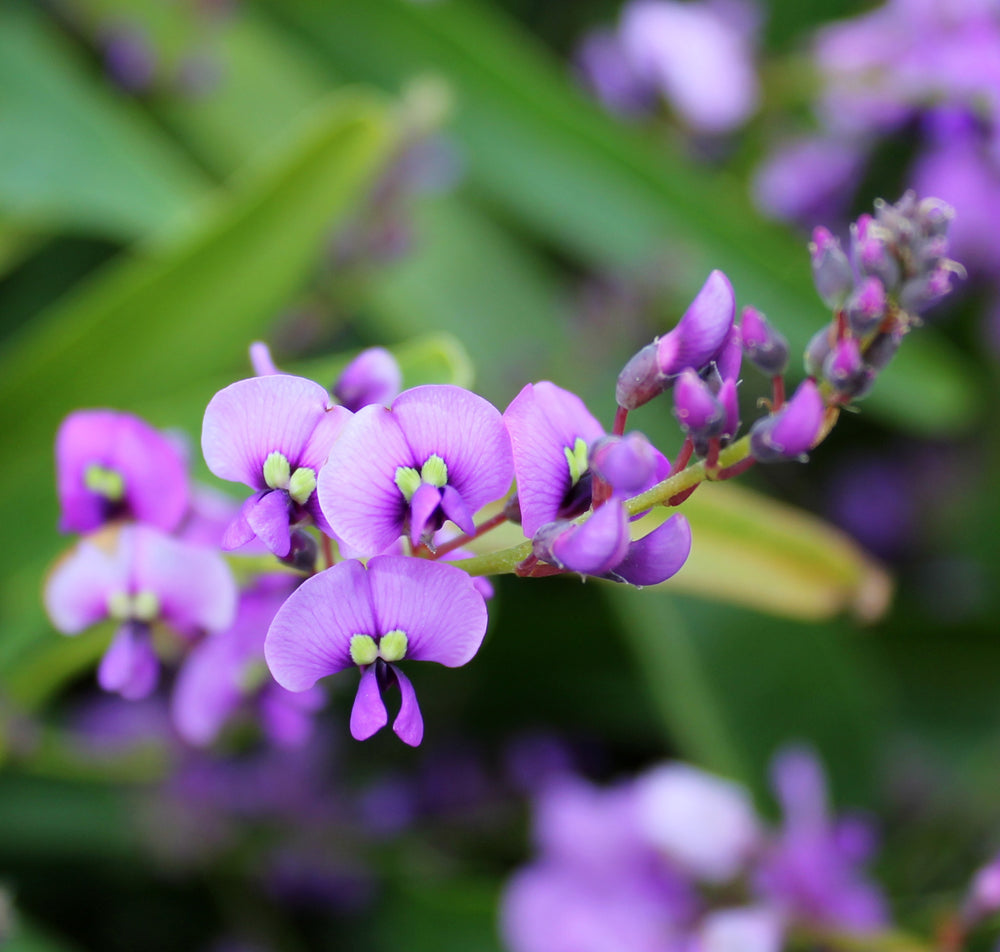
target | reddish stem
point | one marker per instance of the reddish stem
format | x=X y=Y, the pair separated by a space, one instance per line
x=730 y=471
x=327 y=551
x=525 y=568
x=683 y=457
x=712 y=459
x=778 y=393
x=682 y=495
x=481 y=529
x=618 y=427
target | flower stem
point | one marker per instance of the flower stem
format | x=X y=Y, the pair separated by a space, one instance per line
x=498 y=520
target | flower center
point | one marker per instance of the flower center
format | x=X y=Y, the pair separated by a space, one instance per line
x=434 y=472
x=390 y=647
x=104 y=481
x=576 y=458
x=278 y=474
x=143 y=606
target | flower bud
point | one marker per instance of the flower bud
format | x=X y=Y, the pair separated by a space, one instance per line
x=373 y=377
x=866 y=306
x=640 y=379
x=593 y=547
x=626 y=463
x=817 y=350
x=925 y=290
x=843 y=368
x=730 y=356
x=698 y=410
x=765 y=348
x=832 y=273
x=791 y=431
x=871 y=251
x=882 y=349
x=729 y=399
x=303 y=551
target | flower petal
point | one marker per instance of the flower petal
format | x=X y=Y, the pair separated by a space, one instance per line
x=543 y=421
x=657 y=556
x=268 y=518
x=597 y=545
x=357 y=487
x=239 y=532
x=409 y=723
x=252 y=418
x=310 y=636
x=455 y=509
x=437 y=605
x=130 y=666
x=76 y=593
x=368 y=715
x=466 y=431
x=422 y=506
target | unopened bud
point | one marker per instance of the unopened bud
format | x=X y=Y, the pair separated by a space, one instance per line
x=832 y=272
x=882 y=349
x=765 y=348
x=791 y=431
x=593 y=547
x=872 y=253
x=866 y=306
x=640 y=379
x=817 y=350
x=302 y=554
x=843 y=368
x=373 y=377
x=698 y=410
x=626 y=463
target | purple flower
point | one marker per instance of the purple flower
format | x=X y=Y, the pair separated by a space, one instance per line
x=766 y=348
x=438 y=453
x=372 y=618
x=701 y=333
x=225 y=671
x=138 y=577
x=550 y=434
x=628 y=464
x=609 y=72
x=372 y=377
x=810 y=870
x=698 y=55
x=790 y=432
x=274 y=434
x=112 y=465
x=740 y=929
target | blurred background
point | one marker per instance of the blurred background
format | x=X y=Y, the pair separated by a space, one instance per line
x=500 y=192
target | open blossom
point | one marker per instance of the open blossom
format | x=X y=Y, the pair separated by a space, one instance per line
x=112 y=465
x=272 y=433
x=225 y=672
x=138 y=577
x=438 y=453
x=395 y=609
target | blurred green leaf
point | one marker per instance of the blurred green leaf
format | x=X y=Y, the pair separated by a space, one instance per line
x=596 y=187
x=75 y=155
x=168 y=322
x=753 y=551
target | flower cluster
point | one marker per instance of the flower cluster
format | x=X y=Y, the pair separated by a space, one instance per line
x=369 y=498
x=677 y=859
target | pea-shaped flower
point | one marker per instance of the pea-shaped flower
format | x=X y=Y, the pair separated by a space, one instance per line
x=397 y=609
x=272 y=433
x=438 y=453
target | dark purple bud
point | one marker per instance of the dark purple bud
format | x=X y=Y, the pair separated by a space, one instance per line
x=843 y=368
x=729 y=399
x=882 y=349
x=698 y=410
x=640 y=379
x=871 y=251
x=832 y=272
x=765 y=348
x=918 y=294
x=730 y=355
x=817 y=350
x=694 y=342
x=866 y=306
x=626 y=463
x=593 y=547
x=703 y=329
x=303 y=551
x=373 y=377
x=129 y=57
x=791 y=431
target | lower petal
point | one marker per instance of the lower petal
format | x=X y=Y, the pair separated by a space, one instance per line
x=409 y=723
x=269 y=521
x=422 y=507
x=239 y=531
x=130 y=666
x=456 y=510
x=368 y=716
x=657 y=556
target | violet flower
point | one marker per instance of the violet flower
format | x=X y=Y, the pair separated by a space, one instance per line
x=373 y=617
x=810 y=871
x=274 y=434
x=112 y=465
x=791 y=432
x=138 y=577
x=226 y=672
x=372 y=377
x=438 y=453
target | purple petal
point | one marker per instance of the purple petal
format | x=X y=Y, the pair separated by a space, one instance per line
x=261 y=360
x=697 y=409
x=76 y=593
x=287 y=717
x=153 y=470
x=239 y=532
x=544 y=420
x=368 y=716
x=702 y=330
x=129 y=666
x=268 y=518
x=357 y=488
x=466 y=431
x=252 y=418
x=310 y=636
x=409 y=723
x=423 y=505
x=627 y=463
x=730 y=356
x=798 y=781
x=437 y=605
x=455 y=509
x=657 y=556
x=791 y=431
x=193 y=583
x=597 y=545
x=372 y=377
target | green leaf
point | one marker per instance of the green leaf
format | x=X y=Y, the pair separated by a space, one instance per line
x=172 y=320
x=75 y=156
x=593 y=186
